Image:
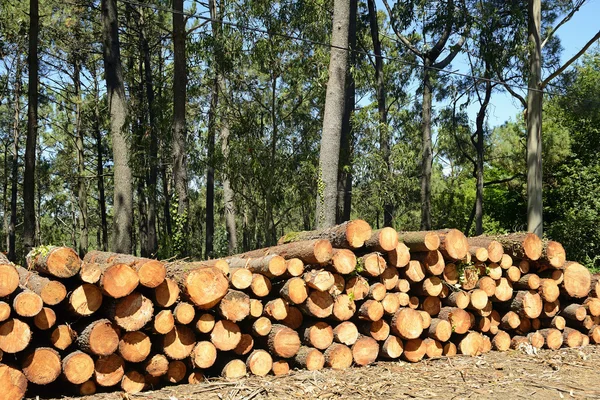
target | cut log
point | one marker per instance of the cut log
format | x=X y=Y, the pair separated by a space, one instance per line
x=351 y=235
x=420 y=241
x=245 y=346
x=118 y=280
x=478 y=254
x=13 y=383
x=283 y=341
x=377 y=291
x=357 y=287
x=487 y=284
x=413 y=302
x=433 y=261
x=471 y=344
x=378 y=330
x=506 y=262
x=338 y=356
x=310 y=359
x=61 y=262
x=99 y=337
x=51 y=292
x=433 y=348
x=204 y=286
x=414 y=271
x=259 y=362
x=135 y=346
x=320 y=280
x=510 y=320
x=179 y=343
x=400 y=256
x=553 y=338
x=281 y=367
x=109 y=370
x=316 y=251
x=370 y=310
x=594 y=334
x=458 y=299
x=551 y=308
x=504 y=290
x=577 y=280
x=345 y=333
x=384 y=240
x=343 y=261
x=513 y=274
x=133 y=382
x=459 y=319
x=256 y=308
x=167 y=293
x=501 y=341
x=343 y=308
x=318 y=335
x=226 y=335
x=234 y=369
x=572 y=337
x=151 y=272
x=553 y=254
x=494 y=271
x=27 y=304
x=261 y=285
x=391 y=348
x=430 y=286
x=85 y=300
x=407 y=323
x=204 y=355
x=527 y=303
x=87 y=388
x=41 y=365
x=262 y=326
x=574 y=312
x=453 y=244
x=450 y=350
x=371 y=265
x=365 y=351
x=45 y=319
x=157 y=365
x=390 y=303
x=592 y=305
x=277 y=309
x=235 y=306
x=271 y=265
x=439 y=329
x=15 y=335
x=163 y=322
x=339 y=285
x=5 y=311
x=295 y=266
x=62 y=336
x=90 y=273
x=403 y=298
x=518 y=245
x=176 y=371
x=527 y=282
x=205 y=323
x=536 y=340
x=77 y=367
x=389 y=278
x=241 y=278
x=132 y=312
x=318 y=304
x=414 y=350
x=294 y=290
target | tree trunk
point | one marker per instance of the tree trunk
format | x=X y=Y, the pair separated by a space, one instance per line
x=103 y=242
x=228 y=192
x=534 y=121
x=479 y=147
x=384 y=145
x=12 y=256
x=32 y=130
x=117 y=103
x=426 y=149
x=79 y=143
x=332 y=119
x=179 y=125
x=344 y=200
x=152 y=241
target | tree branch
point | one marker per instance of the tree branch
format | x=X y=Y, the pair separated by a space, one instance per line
x=561 y=23
x=444 y=63
x=437 y=48
x=498 y=181
x=402 y=38
x=570 y=61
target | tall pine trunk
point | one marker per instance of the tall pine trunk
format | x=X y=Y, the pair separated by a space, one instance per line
x=179 y=124
x=426 y=149
x=117 y=104
x=152 y=239
x=384 y=140
x=12 y=236
x=103 y=242
x=344 y=200
x=332 y=118
x=210 y=171
x=228 y=193
x=32 y=129
x=479 y=147
x=79 y=144
x=534 y=121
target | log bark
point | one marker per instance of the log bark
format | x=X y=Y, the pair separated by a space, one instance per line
x=52 y=292
x=349 y=235
x=151 y=273
x=61 y=262
x=420 y=241
x=316 y=251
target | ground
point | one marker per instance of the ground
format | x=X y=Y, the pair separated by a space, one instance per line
x=562 y=374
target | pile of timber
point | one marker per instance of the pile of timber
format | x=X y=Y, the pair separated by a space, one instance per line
x=333 y=298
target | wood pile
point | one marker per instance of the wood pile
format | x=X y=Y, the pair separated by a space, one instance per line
x=334 y=298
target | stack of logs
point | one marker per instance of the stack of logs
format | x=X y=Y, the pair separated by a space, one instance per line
x=322 y=299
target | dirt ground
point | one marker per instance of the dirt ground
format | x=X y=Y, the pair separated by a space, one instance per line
x=562 y=374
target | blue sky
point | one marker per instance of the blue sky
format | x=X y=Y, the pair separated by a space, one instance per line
x=573 y=35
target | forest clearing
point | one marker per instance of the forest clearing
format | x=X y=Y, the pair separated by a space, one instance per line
x=338 y=298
